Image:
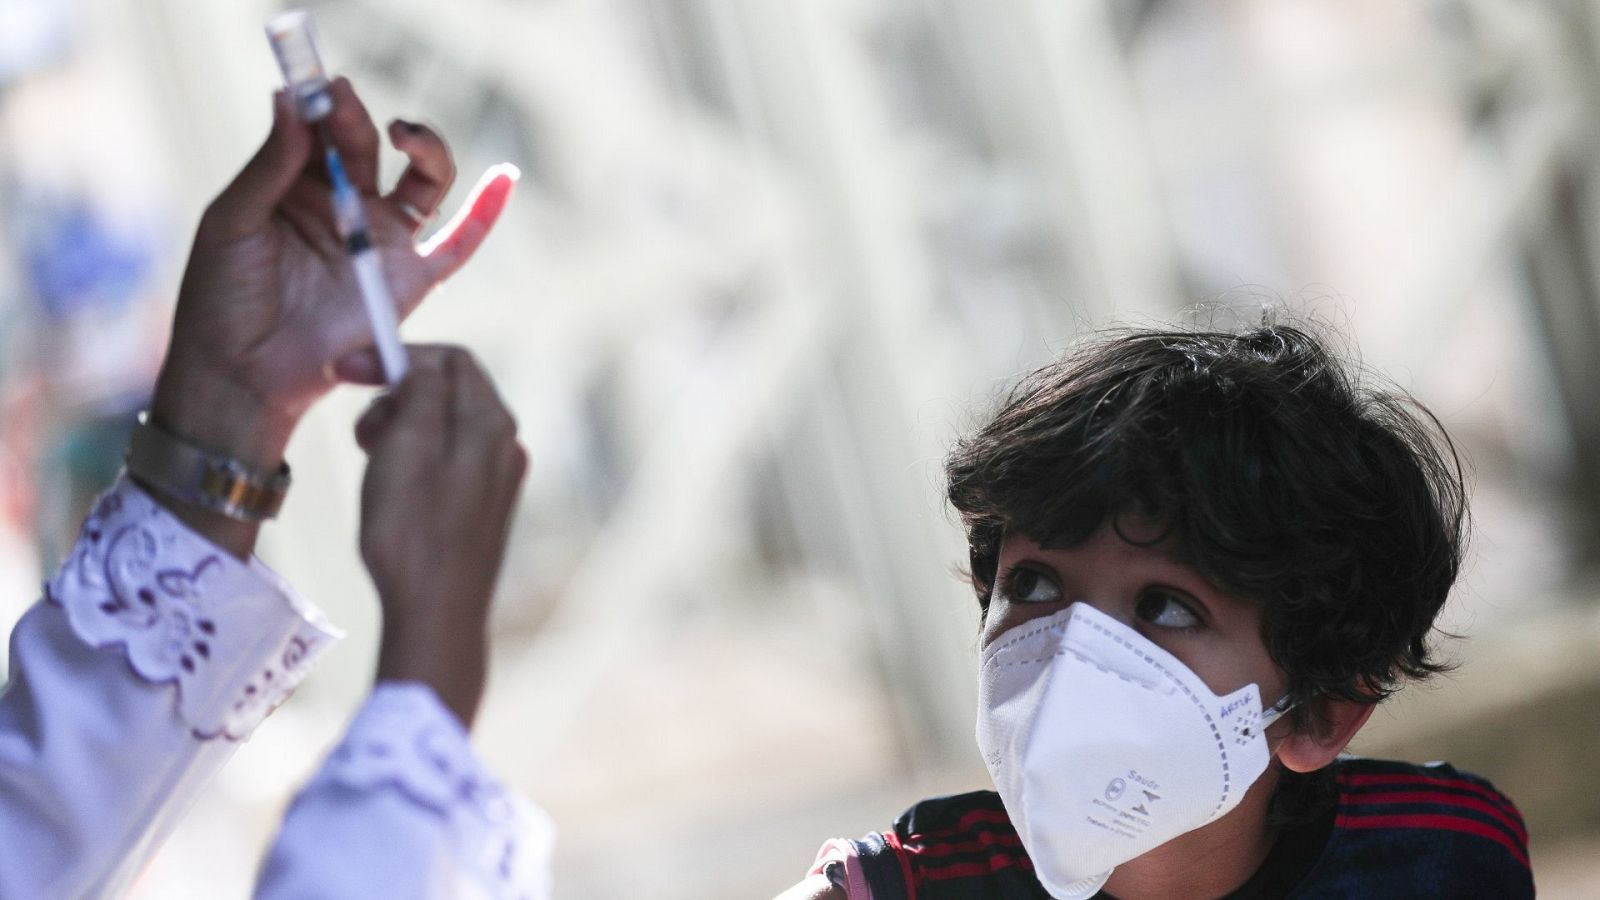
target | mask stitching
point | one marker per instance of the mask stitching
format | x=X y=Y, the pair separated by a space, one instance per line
x=992 y=653
x=1035 y=631
x=1029 y=662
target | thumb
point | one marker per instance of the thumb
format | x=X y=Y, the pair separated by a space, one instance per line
x=247 y=202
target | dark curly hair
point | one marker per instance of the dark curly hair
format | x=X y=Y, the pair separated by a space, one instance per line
x=1340 y=509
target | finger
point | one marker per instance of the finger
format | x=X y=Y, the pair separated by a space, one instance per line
x=428 y=175
x=248 y=201
x=374 y=422
x=478 y=411
x=307 y=206
x=455 y=243
x=503 y=476
x=514 y=462
x=421 y=418
x=352 y=131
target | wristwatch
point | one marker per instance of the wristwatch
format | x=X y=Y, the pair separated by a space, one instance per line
x=202 y=477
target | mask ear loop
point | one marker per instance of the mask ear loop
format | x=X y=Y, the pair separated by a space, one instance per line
x=1275 y=712
x=1271 y=714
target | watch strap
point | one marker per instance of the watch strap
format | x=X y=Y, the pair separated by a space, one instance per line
x=203 y=477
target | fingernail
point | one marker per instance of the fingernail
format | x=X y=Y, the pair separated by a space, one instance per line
x=410 y=127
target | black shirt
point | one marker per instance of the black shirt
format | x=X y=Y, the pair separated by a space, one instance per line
x=1390 y=830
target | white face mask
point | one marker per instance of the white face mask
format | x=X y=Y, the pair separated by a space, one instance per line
x=1103 y=746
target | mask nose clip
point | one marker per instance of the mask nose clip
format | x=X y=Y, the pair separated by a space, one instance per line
x=1125 y=668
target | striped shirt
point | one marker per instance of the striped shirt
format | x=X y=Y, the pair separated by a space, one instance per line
x=1396 y=830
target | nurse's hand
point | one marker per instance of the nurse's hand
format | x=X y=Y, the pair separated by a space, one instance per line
x=442 y=480
x=268 y=317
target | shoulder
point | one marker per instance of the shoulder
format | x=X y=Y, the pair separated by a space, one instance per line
x=1426 y=795
x=942 y=848
x=1431 y=823
x=977 y=810
x=963 y=846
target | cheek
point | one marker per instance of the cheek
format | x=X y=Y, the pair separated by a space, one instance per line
x=1230 y=667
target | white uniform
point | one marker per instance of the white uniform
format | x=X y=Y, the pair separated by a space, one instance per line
x=151 y=655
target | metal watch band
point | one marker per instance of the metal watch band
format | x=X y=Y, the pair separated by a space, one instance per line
x=204 y=478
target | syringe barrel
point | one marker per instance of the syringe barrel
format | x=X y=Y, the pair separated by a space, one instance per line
x=294 y=43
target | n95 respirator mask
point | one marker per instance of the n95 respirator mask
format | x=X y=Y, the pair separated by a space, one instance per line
x=1103 y=746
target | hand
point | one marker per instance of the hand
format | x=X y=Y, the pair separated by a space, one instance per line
x=442 y=479
x=269 y=317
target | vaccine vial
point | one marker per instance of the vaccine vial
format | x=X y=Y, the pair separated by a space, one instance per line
x=294 y=43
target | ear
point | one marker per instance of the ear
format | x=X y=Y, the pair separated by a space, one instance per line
x=1333 y=723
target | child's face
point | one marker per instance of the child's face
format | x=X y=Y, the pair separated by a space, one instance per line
x=1215 y=634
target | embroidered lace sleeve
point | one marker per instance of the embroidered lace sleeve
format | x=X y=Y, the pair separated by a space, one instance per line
x=149 y=641
x=403 y=802
x=231 y=636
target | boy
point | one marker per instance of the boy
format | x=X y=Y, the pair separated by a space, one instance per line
x=1202 y=559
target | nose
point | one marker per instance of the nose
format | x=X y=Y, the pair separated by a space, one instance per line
x=1112 y=655
x=1111 y=609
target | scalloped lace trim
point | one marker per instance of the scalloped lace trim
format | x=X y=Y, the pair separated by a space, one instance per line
x=231 y=636
x=404 y=739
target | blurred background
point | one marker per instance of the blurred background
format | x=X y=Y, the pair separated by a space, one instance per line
x=767 y=259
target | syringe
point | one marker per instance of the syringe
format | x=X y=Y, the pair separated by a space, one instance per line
x=295 y=45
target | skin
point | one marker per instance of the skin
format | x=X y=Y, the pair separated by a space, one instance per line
x=442 y=479
x=269 y=319
x=1215 y=634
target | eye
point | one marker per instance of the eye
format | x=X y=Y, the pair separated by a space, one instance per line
x=1166 y=609
x=1026 y=585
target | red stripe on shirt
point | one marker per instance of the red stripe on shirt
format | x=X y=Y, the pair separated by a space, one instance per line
x=1437 y=823
x=984 y=840
x=1494 y=796
x=975 y=869
x=1443 y=799
x=966 y=823
x=893 y=841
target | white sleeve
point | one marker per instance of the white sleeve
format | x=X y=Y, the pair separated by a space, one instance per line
x=403 y=808
x=151 y=654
